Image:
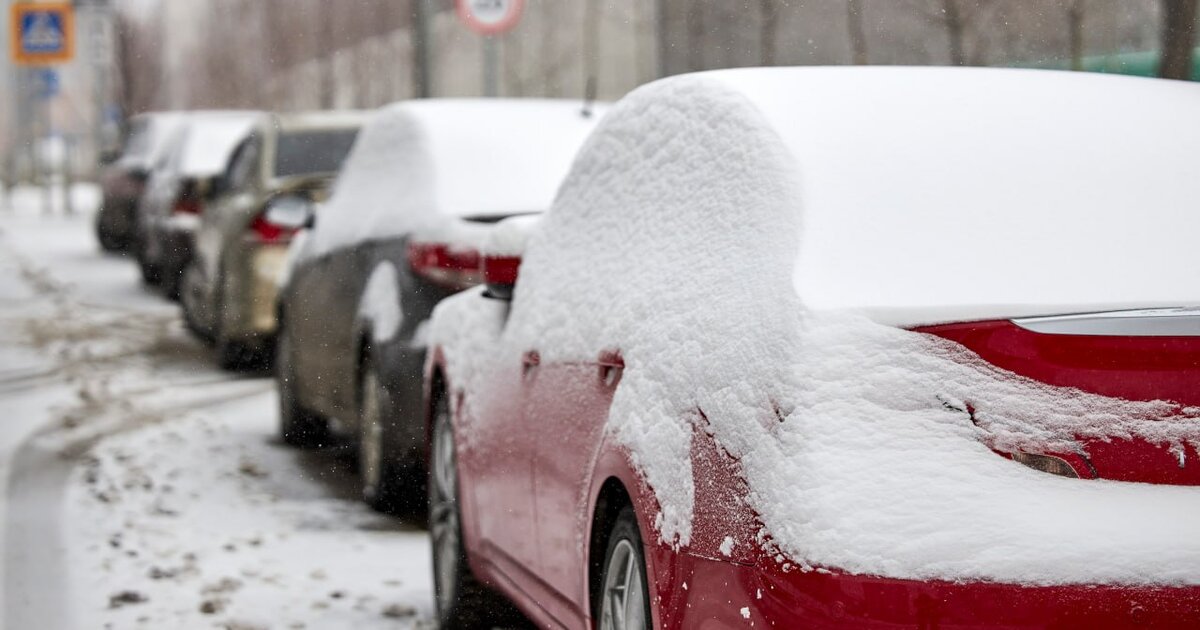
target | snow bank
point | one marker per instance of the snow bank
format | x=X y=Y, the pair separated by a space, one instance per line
x=419 y=163
x=684 y=237
x=210 y=139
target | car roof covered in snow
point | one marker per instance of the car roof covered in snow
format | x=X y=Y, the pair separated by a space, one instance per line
x=939 y=194
x=936 y=194
x=210 y=138
x=418 y=163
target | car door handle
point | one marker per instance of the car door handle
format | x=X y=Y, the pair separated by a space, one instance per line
x=529 y=361
x=611 y=367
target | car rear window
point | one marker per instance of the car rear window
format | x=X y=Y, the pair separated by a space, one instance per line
x=311 y=152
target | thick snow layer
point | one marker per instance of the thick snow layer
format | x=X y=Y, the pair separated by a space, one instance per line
x=146 y=148
x=210 y=139
x=935 y=194
x=418 y=163
x=675 y=239
x=510 y=236
x=380 y=302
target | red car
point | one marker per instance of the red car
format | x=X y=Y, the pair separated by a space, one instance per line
x=837 y=348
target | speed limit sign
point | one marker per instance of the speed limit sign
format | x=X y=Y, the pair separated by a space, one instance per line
x=490 y=17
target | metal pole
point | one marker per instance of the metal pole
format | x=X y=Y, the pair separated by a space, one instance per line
x=422 y=79
x=491 y=64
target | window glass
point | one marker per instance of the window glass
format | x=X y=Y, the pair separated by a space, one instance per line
x=312 y=152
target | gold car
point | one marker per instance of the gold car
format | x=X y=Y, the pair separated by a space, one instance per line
x=229 y=290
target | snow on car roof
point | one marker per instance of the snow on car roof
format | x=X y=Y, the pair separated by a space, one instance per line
x=939 y=194
x=674 y=240
x=210 y=138
x=418 y=162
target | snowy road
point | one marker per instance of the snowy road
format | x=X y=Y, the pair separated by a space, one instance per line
x=145 y=488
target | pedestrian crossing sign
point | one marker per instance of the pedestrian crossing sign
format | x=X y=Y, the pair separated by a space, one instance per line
x=43 y=33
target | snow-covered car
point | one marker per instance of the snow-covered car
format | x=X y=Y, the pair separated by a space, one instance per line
x=179 y=188
x=400 y=233
x=230 y=287
x=124 y=180
x=858 y=347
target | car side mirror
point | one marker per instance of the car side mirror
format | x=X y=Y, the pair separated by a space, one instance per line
x=291 y=211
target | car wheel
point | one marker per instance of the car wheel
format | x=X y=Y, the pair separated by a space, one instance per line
x=109 y=242
x=462 y=601
x=189 y=294
x=623 y=601
x=380 y=483
x=297 y=426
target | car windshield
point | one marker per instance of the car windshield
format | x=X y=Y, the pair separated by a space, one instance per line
x=312 y=152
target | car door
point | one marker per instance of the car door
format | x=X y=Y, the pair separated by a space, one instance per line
x=500 y=449
x=567 y=408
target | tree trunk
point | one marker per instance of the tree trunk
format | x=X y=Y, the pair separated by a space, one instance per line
x=1075 y=26
x=952 y=15
x=695 y=36
x=768 y=31
x=858 y=36
x=1178 y=39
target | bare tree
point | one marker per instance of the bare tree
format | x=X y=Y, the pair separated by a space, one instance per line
x=858 y=35
x=140 y=63
x=1075 y=16
x=1178 y=38
x=768 y=31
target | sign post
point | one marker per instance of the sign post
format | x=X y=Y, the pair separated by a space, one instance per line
x=490 y=18
x=43 y=34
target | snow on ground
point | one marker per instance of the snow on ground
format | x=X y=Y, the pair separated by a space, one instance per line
x=144 y=487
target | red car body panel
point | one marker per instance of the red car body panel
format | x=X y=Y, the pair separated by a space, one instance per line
x=1129 y=367
x=537 y=458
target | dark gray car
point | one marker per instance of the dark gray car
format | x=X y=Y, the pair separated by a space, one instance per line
x=400 y=233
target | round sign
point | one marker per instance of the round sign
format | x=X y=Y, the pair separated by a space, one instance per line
x=490 y=17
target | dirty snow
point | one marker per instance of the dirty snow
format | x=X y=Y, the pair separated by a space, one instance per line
x=687 y=212
x=419 y=162
x=145 y=487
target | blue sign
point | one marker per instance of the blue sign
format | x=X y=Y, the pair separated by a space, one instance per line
x=43 y=33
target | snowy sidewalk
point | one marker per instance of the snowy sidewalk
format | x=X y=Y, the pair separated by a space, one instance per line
x=144 y=487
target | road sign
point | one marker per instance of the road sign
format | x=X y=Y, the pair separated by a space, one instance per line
x=42 y=33
x=45 y=83
x=490 y=17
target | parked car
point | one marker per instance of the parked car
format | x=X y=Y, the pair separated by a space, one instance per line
x=179 y=189
x=230 y=286
x=798 y=347
x=123 y=181
x=400 y=233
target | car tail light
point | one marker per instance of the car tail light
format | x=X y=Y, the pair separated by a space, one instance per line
x=1046 y=463
x=500 y=274
x=445 y=265
x=186 y=205
x=264 y=231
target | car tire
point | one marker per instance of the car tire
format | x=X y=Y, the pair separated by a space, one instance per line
x=297 y=426
x=382 y=486
x=189 y=294
x=109 y=242
x=623 y=599
x=462 y=602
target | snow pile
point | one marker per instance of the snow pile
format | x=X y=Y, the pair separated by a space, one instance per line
x=511 y=236
x=418 y=163
x=210 y=139
x=675 y=239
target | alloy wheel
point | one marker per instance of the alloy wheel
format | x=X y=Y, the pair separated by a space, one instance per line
x=443 y=508
x=370 y=455
x=623 y=604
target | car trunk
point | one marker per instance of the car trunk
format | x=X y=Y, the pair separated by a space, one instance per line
x=1139 y=356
